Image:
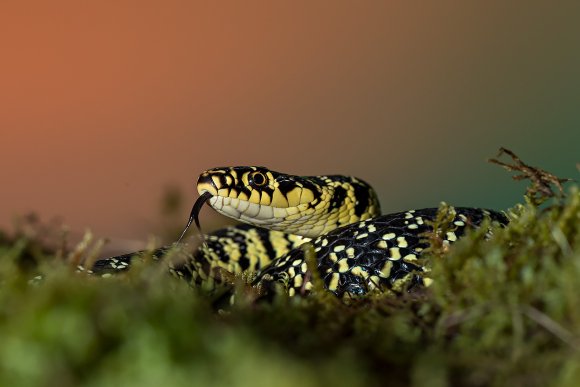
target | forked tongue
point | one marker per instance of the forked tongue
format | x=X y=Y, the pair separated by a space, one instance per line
x=194 y=216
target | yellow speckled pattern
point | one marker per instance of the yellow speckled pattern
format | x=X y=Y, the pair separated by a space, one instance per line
x=381 y=253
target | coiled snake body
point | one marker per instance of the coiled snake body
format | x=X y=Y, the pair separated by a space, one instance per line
x=357 y=250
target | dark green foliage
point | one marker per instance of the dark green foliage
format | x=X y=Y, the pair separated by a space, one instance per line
x=502 y=310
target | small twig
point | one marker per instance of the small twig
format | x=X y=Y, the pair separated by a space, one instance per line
x=552 y=326
x=541 y=188
x=442 y=224
x=312 y=264
x=75 y=257
x=461 y=316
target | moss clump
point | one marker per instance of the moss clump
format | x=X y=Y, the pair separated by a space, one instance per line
x=503 y=309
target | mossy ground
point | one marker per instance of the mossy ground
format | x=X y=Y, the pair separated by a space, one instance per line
x=501 y=311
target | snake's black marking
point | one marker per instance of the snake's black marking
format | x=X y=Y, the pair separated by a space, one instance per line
x=363 y=199
x=337 y=199
x=285 y=186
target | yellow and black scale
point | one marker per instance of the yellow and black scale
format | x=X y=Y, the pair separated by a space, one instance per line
x=357 y=250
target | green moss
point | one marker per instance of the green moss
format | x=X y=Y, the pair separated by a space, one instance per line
x=502 y=310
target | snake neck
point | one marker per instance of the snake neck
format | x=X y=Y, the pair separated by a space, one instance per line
x=303 y=205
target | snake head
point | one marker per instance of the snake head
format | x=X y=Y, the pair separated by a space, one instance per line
x=257 y=185
x=256 y=194
x=303 y=205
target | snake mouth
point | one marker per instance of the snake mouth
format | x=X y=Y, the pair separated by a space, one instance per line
x=194 y=215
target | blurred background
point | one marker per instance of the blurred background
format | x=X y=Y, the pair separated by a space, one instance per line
x=110 y=110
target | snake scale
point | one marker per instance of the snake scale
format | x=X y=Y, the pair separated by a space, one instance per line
x=357 y=249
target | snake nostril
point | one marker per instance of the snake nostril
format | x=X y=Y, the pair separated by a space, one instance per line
x=205 y=183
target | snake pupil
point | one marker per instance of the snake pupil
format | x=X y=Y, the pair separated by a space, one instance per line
x=258 y=179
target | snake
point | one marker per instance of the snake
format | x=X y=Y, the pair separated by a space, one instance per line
x=285 y=219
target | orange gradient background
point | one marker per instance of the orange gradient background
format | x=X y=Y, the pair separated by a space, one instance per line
x=103 y=105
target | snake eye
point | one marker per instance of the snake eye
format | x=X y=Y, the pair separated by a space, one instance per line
x=257 y=179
